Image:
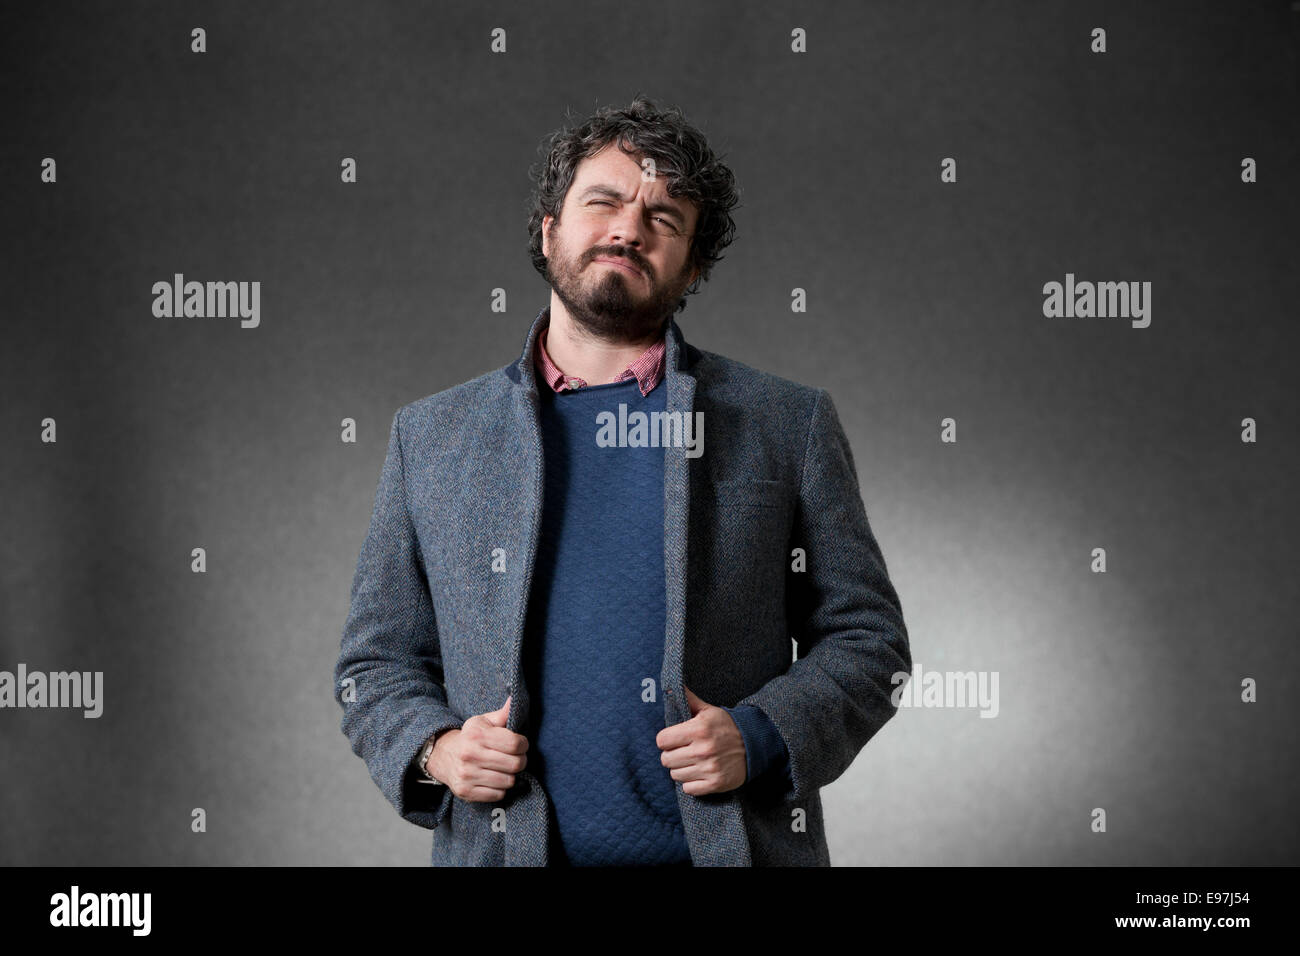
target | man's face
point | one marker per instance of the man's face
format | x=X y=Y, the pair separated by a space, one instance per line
x=609 y=213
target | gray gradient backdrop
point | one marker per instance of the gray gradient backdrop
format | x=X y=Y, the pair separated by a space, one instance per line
x=1118 y=690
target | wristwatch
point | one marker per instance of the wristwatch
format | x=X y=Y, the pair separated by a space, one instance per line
x=423 y=759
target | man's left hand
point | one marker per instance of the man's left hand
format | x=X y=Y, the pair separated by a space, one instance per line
x=706 y=753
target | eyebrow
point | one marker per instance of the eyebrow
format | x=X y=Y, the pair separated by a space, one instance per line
x=600 y=189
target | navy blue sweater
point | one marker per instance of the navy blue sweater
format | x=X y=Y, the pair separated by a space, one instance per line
x=593 y=646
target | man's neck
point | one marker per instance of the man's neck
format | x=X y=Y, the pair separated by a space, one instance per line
x=576 y=352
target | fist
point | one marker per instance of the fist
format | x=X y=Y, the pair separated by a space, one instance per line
x=478 y=761
x=706 y=754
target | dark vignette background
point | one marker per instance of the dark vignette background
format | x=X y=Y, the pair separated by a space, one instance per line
x=1118 y=690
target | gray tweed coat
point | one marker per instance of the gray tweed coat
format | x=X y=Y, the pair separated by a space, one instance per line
x=765 y=539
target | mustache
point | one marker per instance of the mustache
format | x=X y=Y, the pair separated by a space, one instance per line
x=618 y=253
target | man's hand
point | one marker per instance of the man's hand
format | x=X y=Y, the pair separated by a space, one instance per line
x=705 y=753
x=479 y=760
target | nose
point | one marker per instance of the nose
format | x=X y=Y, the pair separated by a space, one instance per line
x=626 y=227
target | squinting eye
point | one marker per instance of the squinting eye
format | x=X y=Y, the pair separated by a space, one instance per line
x=605 y=202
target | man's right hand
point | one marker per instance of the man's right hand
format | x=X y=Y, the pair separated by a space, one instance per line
x=479 y=759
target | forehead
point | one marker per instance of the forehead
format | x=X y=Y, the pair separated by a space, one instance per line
x=613 y=167
x=611 y=162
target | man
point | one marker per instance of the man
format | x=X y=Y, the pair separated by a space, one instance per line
x=569 y=641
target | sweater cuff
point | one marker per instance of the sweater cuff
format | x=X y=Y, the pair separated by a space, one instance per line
x=764 y=747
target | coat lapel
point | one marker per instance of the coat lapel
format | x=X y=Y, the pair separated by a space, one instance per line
x=677 y=508
x=714 y=824
x=528 y=838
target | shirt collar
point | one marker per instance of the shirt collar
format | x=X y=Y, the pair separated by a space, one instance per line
x=648 y=369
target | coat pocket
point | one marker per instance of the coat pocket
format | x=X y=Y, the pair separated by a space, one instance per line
x=751 y=493
x=739 y=553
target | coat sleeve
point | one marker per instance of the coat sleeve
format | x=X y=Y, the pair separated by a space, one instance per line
x=844 y=615
x=388 y=678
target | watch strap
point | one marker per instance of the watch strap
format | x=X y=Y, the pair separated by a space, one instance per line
x=423 y=759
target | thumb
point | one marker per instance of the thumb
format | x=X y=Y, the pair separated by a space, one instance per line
x=497 y=718
x=694 y=702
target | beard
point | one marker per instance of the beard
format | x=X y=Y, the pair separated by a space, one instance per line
x=609 y=303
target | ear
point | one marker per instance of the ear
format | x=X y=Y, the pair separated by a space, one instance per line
x=546 y=235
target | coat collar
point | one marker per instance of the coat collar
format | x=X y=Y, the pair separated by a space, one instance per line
x=679 y=356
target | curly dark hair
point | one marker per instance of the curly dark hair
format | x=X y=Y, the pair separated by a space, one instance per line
x=681 y=154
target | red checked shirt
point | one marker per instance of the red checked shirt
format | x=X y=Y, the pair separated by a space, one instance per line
x=648 y=369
